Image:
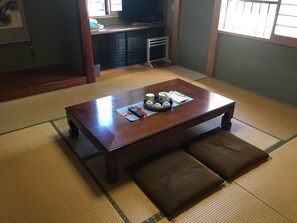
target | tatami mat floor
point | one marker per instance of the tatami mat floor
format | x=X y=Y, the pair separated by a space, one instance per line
x=48 y=177
x=42 y=181
x=270 y=116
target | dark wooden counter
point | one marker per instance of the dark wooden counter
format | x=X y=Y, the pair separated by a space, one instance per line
x=126 y=28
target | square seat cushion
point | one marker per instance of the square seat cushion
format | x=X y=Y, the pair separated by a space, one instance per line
x=174 y=181
x=225 y=154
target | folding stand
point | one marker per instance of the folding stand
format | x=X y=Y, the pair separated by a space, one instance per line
x=158 y=41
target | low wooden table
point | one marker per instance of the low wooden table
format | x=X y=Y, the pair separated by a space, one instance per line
x=115 y=136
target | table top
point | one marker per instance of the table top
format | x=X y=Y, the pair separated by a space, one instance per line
x=105 y=127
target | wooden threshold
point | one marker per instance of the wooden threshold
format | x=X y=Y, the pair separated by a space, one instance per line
x=121 y=71
x=17 y=84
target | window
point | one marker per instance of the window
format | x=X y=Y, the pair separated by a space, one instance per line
x=104 y=7
x=116 y=5
x=286 y=24
x=259 y=18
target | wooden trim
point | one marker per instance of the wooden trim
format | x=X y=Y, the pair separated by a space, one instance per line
x=213 y=39
x=283 y=40
x=276 y=15
x=275 y=39
x=175 y=31
x=107 y=7
x=114 y=15
x=87 y=49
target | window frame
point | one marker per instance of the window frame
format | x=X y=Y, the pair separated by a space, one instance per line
x=108 y=12
x=274 y=38
x=282 y=40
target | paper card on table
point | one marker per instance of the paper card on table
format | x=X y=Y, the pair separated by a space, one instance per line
x=179 y=97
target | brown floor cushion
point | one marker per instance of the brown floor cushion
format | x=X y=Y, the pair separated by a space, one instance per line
x=174 y=181
x=225 y=154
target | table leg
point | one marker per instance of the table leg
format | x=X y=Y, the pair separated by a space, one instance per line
x=226 y=119
x=73 y=130
x=112 y=169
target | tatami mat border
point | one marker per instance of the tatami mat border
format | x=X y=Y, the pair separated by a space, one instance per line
x=106 y=194
x=155 y=218
x=273 y=147
x=266 y=204
x=261 y=130
x=29 y=126
x=279 y=144
x=25 y=127
x=276 y=145
x=91 y=156
x=200 y=79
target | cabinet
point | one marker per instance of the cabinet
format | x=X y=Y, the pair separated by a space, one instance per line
x=110 y=50
x=124 y=47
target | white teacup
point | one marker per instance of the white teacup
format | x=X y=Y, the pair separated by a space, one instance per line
x=166 y=104
x=163 y=96
x=157 y=105
x=150 y=97
x=149 y=104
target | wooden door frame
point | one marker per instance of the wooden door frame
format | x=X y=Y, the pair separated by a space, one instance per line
x=212 y=49
x=175 y=31
x=87 y=49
